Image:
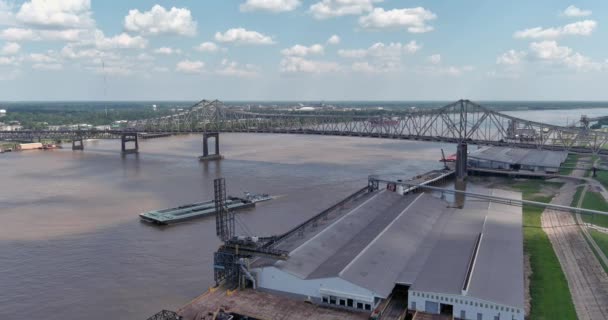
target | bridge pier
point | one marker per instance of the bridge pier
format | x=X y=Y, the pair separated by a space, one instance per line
x=461 y=161
x=78 y=143
x=129 y=137
x=206 y=156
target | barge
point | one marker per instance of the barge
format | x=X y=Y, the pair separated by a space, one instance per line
x=200 y=209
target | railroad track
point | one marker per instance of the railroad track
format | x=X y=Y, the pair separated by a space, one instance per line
x=587 y=280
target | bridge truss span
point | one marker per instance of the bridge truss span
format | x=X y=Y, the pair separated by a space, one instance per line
x=462 y=121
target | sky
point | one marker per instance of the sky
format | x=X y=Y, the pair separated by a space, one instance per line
x=303 y=50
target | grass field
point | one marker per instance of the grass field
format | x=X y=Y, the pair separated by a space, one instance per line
x=602 y=177
x=548 y=286
x=601 y=239
x=595 y=201
x=571 y=161
x=577 y=196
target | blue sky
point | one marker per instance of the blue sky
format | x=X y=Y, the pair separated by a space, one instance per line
x=303 y=50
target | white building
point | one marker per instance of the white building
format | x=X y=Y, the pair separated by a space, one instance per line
x=2 y=113
x=466 y=263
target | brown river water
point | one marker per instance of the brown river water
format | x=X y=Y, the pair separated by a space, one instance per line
x=72 y=245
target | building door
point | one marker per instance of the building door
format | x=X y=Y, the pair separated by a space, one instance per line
x=463 y=314
x=413 y=305
x=431 y=307
x=479 y=316
x=446 y=309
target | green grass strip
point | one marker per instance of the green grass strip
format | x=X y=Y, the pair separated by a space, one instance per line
x=549 y=290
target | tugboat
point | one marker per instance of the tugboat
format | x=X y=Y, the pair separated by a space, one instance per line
x=255 y=197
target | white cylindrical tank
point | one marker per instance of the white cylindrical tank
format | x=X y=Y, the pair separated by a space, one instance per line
x=400 y=189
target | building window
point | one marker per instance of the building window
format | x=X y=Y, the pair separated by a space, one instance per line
x=368 y=306
x=342 y=302
x=349 y=303
x=332 y=300
x=359 y=305
x=325 y=300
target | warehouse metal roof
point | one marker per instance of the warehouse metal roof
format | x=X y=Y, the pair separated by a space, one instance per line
x=528 y=157
x=419 y=240
x=496 y=270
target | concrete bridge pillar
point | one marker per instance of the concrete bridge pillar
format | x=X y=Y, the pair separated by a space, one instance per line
x=206 y=156
x=461 y=161
x=78 y=143
x=125 y=139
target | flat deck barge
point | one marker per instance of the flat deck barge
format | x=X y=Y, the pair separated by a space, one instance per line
x=192 y=211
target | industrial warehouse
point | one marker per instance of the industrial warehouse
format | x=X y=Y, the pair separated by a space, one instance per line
x=465 y=263
x=516 y=159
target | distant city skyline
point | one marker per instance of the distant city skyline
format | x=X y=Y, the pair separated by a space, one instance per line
x=312 y=50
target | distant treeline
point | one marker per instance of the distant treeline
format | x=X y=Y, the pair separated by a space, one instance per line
x=34 y=115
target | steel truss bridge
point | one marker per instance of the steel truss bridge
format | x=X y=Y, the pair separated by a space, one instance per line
x=462 y=121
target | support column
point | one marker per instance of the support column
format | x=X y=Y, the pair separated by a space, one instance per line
x=206 y=156
x=461 y=161
x=129 y=137
x=78 y=143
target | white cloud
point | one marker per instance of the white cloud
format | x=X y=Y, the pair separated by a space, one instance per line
x=325 y=9
x=435 y=59
x=188 y=66
x=455 y=71
x=243 y=36
x=302 y=51
x=70 y=52
x=575 y=12
x=47 y=66
x=207 y=47
x=167 y=51
x=145 y=57
x=511 y=57
x=270 y=5
x=365 y=67
x=56 y=13
x=550 y=52
x=8 y=61
x=580 y=28
x=414 y=19
x=6 y=13
x=412 y=47
x=18 y=34
x=380 y=57
x=41 y=58
x=10 y=48
x=161 y=21
x=21 y=34
x=381 y=50
x=121 y=41
x=233 y=69
x=302 y=65
x=335 y=39
x=114 y=70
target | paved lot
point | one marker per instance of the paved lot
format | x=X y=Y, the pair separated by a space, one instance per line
x=261 y=305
